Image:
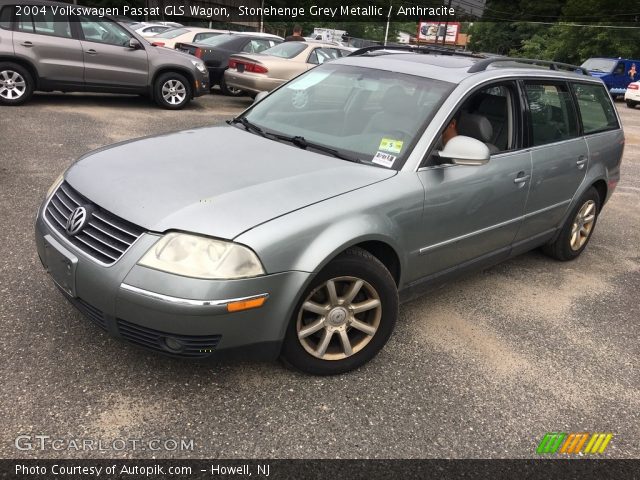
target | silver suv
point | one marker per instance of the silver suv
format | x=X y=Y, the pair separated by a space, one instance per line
x=296 y=230
x=43 y=48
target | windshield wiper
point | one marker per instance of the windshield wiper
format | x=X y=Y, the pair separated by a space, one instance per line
x=296 y=140
x=249 y=127
x=302 y=143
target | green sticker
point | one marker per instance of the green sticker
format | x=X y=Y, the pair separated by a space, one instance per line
x=390 y=145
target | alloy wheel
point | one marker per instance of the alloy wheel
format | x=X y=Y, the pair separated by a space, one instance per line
x=582 y=225
x=339 y=318
x=12 y=85
x=174 y=92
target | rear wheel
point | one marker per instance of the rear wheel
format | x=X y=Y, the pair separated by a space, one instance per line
x=16 y=84
x=631 y=104
x=578 y=228
x=172 y=91
x=230 y=91
x=345 y=316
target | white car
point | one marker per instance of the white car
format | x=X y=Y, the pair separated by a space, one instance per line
x=169 y=38
x=632 y=95
x=150 y=29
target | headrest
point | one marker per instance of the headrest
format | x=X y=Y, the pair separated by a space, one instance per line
x=475 y=126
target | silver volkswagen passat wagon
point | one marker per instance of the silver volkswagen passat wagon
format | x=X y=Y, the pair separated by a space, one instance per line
x=296 y=230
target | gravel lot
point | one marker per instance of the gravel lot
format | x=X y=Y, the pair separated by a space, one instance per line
x=481 y=368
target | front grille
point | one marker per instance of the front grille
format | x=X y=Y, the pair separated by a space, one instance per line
x=192 y=346
x=105 y=237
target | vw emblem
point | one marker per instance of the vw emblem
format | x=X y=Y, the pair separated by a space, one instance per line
x=77 y=220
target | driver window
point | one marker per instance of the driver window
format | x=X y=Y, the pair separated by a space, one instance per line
x=619 y=69
x=486 y=116
x=103 y=31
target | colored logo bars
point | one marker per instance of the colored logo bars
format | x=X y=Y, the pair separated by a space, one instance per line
x=572 y=443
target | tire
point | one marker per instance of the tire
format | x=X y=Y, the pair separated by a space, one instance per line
x=230 y=91
x=353 y=272
x=576 y=232
x=172 y=91
x=631 y=104
x=16 y=84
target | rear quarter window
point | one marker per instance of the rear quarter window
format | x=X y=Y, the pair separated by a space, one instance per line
x=595 y=107
x=5 y=17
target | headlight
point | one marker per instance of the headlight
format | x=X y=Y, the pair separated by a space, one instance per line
x=201 y=257
x=55 y=185
x=200 y=66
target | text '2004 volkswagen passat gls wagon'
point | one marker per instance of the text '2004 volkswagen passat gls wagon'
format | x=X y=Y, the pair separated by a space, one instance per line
x=295 y=230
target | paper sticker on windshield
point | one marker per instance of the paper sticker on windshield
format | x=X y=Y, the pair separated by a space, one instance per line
x=384 y=159
x=390 y=145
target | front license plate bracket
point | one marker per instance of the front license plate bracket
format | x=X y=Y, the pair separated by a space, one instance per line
x=61 y=264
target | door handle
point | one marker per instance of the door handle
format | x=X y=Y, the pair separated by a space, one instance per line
x=91 y=51
x=582 y=160
x=27 y=43
x=521 y=178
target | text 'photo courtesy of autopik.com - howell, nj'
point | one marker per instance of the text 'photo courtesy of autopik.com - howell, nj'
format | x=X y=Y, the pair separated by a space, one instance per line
x=319 y=239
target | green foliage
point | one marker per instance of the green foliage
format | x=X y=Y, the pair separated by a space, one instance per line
x=562 y=30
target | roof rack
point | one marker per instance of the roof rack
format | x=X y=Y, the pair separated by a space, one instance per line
x=416 y=49
x=482 y=65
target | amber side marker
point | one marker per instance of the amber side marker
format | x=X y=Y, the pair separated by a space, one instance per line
x=246 y=304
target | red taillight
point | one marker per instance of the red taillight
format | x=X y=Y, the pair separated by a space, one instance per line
x=248 y=66
x=198 y=52
x=633 y=86
x=259 y=68
x=158 y=44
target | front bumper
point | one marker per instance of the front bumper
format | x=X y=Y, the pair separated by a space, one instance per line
x=154 y=310
x=202 y=85
x=251 y=82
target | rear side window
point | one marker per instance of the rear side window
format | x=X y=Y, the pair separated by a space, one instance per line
x=49 y=24
x=5 y=17
x=552 y=114
x=596 y=109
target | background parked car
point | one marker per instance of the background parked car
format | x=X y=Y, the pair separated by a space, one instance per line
x=99 y=56
x=149 y=29
x=632 y=94
x=215 y=53
x=170 y=38
x=273 y=67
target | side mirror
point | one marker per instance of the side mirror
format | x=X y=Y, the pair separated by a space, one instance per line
x=134 y=44
x=463 y=150
x=260 y=96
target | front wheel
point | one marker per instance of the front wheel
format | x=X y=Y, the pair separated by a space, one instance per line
x=577 y=230
x=172 y=91
x=344 y=317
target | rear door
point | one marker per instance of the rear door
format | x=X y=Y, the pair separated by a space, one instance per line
x=47 y=40
x=559 y=155
x=109 y=62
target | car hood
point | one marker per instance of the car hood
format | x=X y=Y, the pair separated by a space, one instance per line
x=218 y=181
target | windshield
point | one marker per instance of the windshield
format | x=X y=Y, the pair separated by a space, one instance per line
x=173 y=33
x=372 y=116
x=285 y=50
x=599 y=64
